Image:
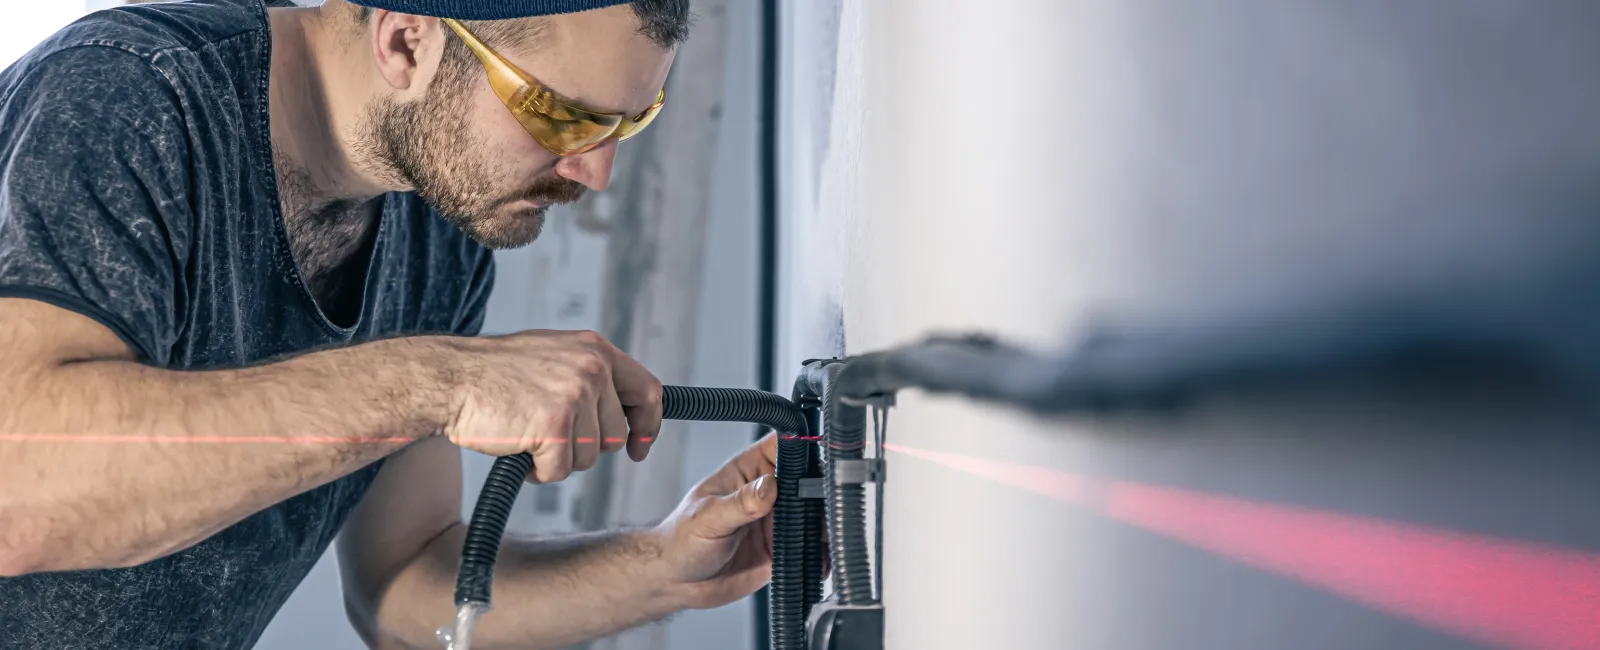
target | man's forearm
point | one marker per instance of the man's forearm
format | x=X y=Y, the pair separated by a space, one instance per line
x=111 y=463
x=548 y=593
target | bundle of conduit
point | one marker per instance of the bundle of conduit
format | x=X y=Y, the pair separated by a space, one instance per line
x=1126 y=369
x=828 y=405
x=797 y=561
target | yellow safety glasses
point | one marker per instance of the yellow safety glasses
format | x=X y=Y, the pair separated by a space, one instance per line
x=558 y=126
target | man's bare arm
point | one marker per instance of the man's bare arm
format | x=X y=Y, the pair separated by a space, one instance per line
x=400 y=550
x=107 y=462
x=550 y=593
x=111 y=463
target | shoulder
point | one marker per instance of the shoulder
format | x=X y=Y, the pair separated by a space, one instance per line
x=80 y=116
x=137 y=84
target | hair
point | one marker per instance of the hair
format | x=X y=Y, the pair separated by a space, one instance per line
x=664 y=22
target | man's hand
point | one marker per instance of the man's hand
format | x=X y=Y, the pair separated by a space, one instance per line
x=552 y=593
x=565 y=397
x=717 y=546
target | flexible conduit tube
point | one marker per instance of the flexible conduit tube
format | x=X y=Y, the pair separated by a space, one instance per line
x=812 y=522
x=474 y=581
x=787 y=603
x=845 y=425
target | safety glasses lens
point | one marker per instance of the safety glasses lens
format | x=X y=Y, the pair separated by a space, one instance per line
x=632 y=127
x=563 y=137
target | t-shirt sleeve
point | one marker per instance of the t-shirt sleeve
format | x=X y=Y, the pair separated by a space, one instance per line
x=478 y=295
x=94 y=204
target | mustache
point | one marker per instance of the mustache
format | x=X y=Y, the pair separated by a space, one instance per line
x=550 y=191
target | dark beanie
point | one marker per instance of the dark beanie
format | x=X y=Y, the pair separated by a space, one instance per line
x=486 y=9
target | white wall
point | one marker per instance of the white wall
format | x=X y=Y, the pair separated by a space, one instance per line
x=30 y=21
x=1023 y=167
x=809 y=277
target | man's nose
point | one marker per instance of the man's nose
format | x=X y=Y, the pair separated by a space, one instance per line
x=591 y=168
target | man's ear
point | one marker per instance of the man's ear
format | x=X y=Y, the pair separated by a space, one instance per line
x=406 y=48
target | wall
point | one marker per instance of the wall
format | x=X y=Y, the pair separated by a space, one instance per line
x=810 y=273
x=32 y=21
x=1033 y=166
x=726 y=346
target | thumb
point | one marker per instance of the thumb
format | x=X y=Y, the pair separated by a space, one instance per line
x=725 y=515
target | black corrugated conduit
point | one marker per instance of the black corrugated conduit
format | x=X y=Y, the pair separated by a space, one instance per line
x=1103 y=373
x=844 y=440
x=792 y=593
x=813 y=535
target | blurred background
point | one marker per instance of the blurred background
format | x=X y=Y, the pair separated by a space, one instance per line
x=843 y=176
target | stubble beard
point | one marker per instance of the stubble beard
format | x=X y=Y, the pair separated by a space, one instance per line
x=430 y=146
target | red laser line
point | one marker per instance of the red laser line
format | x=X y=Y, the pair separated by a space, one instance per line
x=97 y=438
x=1070 y=488
x=1506 y=593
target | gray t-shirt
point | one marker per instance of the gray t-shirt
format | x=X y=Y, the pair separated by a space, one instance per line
x=137 y=188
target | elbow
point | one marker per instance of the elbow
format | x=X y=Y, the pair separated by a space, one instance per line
x=20 y=559
x=13 y=567
x=386 y=620
x=365 y=615
x=30 y=544
x=21 y=545
x=374 y=632
x=362 y=618
x=14 y=563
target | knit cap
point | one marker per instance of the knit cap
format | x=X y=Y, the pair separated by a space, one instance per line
x=486 y=9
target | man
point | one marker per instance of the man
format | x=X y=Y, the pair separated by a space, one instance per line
x=242 y=259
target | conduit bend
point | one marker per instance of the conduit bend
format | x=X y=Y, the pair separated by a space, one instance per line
x=792 y=593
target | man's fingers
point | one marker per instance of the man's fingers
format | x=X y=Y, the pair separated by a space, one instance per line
x=640 y=395
x=635 y=385
x=767 y=449
x=552 y=453
x=726 y=514
x=760 y=458
x=586 y=435
x=613 y=422
x=642 y=436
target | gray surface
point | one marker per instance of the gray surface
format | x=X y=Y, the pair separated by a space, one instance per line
x=1201 y=161
x=726 y=347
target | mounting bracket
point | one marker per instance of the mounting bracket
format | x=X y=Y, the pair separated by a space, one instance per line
x=845 y=627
